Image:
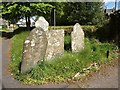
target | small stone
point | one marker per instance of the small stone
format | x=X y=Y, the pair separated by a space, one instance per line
x=76 y=75
x=27 y=41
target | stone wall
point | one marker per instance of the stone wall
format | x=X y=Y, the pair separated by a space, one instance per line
x=77 y=38
x=43 y=44
x=55 y=47
x=34 y=49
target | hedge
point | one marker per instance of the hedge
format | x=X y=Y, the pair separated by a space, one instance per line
x=69 y=28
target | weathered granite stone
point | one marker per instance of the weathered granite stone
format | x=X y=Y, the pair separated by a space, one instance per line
x=41 y=22
x=77 y=38
x=34 y=49
x=55 y=47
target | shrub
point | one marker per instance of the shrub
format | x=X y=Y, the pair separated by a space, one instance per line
x=85 y=28
x=89 y=28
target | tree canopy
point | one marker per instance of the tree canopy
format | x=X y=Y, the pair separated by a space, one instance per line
x=83 y=12
x=13 y=11
x=67 y=13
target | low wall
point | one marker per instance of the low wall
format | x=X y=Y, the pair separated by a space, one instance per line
x=55 y=47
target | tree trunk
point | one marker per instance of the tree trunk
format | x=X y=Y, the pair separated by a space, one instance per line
x=27 y=22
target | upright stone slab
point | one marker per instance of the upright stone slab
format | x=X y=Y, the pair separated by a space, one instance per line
x=34 y=49
x=77 y=38
x=41 y=22
x=55 y=47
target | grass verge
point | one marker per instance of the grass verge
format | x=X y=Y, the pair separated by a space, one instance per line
x=63 y=68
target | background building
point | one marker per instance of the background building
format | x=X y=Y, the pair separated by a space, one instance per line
x=119 y=5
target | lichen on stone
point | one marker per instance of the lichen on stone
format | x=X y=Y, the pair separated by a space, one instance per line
x=27 y=41
x=32 y=43
x=25 y=51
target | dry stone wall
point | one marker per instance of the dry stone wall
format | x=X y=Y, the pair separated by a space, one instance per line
x=34 y=49
x=55 y=47
x=41 y=22
x=40 y=45
x=43 y=44
x=77 y=38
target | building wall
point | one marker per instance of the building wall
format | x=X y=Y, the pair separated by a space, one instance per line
x=119 y=5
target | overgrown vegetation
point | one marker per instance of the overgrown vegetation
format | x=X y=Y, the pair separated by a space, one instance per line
x=63 y=68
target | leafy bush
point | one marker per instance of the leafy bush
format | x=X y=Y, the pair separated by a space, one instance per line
x=60 y=27
x=85 y=27
x=89 y=28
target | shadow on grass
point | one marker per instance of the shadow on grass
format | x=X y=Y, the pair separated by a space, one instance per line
x=9 y=35
x=67 y=40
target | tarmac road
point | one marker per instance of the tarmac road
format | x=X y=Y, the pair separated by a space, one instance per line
x=107 y=77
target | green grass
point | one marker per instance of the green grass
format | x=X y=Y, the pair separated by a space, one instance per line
x=63 y=68
x=4 y=30
x=16 y=51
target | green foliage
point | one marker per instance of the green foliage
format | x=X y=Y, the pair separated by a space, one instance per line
x=67 y=13
x=110 y=31
x=67 y=39
x=59 y=27
x=14 y=11
x=85 y=13
x=63 y=68
x=4 y=29
x=41 y=8
x=114 y=27
x=89 y=28
x=85 y=28
x=10 y=11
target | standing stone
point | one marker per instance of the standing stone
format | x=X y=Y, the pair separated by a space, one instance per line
x=77 y=38
x=55 y=47
x=34 y=49
x=41 y=22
